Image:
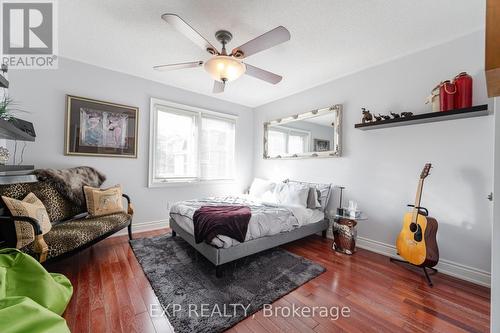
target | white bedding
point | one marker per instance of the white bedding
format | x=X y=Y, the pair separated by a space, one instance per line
x=267 y=218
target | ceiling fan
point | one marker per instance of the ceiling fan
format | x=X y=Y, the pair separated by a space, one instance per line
x=224 y=67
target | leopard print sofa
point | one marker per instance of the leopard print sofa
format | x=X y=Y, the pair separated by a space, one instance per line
x=72 y=230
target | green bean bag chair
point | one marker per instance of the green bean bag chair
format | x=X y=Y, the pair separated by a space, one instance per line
x=31 y=299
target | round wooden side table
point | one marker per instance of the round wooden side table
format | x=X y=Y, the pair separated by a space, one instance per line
x=345 y=232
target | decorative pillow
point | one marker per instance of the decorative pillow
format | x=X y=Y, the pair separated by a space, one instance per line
x=261 y=188
x=30 y=206
x=324 y=190
x=103 y=201
x=292 y=194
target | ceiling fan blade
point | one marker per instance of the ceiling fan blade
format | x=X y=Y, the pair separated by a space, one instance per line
x=262 y=74
x=181 y=65
x=271 y=38
x=181 y=26
x=218 y=87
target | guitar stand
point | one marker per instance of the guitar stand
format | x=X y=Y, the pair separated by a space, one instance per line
x=427 y=275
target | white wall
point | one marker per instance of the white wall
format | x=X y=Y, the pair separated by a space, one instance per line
x=495 y=239
x=381 y=167
x=42 y=93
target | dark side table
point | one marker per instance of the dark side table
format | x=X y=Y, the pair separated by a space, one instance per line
x=345 y=232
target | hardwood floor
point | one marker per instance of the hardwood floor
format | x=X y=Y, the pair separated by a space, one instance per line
x=112 y=294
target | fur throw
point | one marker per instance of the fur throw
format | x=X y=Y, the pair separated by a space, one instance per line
x=70 y=182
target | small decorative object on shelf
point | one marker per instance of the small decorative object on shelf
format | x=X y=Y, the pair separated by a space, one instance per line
x=463 y=97
x=378 y=118
x=433 y=98
x=384 y=116
x=395 y=115
x=406 y=114
x=367 y=116
x=447 y=93
x=452 y=94
x=4 y=155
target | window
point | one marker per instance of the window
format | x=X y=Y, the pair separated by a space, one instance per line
x=284 y=140
x=217 y=148
x=189 y=144
x=297 y=143
x=277 y=142
x=176 y=146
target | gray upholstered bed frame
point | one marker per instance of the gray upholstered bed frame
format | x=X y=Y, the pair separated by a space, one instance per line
x=220 y=256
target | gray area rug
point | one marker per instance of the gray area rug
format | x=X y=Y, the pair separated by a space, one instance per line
x=195 y=300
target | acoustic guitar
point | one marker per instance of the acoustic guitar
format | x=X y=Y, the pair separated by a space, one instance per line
x=416 y=242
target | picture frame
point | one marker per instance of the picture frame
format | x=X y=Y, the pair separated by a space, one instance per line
x=321 y=145
x=99 y=128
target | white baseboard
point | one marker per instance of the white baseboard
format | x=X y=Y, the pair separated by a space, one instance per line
x=145 y=226
x=448 y=267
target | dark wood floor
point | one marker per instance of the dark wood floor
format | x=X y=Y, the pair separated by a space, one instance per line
x=112 y=294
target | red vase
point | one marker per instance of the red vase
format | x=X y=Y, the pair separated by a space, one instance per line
x=447 y=92
x=463 y=84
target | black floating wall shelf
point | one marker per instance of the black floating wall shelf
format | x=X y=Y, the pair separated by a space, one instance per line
x=475 y=111
x=17 y=129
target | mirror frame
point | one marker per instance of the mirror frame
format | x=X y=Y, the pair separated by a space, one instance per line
x=336 y=152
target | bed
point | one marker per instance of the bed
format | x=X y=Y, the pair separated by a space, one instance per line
x=273 y=221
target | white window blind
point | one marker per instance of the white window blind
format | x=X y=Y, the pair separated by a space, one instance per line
x=297 y=143
x=190 y=145
x=217 y=148
x=277 y=142
x=283 y=140
x=176 y=145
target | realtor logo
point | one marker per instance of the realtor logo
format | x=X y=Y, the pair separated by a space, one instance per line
x=29 y=34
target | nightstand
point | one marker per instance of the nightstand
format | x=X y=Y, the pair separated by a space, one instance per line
x=345 y=232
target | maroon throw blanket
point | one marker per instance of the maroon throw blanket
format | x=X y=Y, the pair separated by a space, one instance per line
x=231 y=221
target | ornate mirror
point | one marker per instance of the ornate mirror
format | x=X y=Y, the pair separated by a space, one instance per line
x=315 y=133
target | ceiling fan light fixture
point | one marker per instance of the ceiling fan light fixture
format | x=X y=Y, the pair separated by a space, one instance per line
x=224 y=68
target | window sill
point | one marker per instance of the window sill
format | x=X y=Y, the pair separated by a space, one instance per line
x=184 y=183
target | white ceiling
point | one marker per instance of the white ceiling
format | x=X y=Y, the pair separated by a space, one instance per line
x=330 y=38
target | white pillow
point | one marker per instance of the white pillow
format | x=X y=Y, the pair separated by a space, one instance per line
x=292 y=194
x=261 y=188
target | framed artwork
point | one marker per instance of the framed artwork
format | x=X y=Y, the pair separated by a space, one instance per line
x=321 y=145
x=98 y=128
